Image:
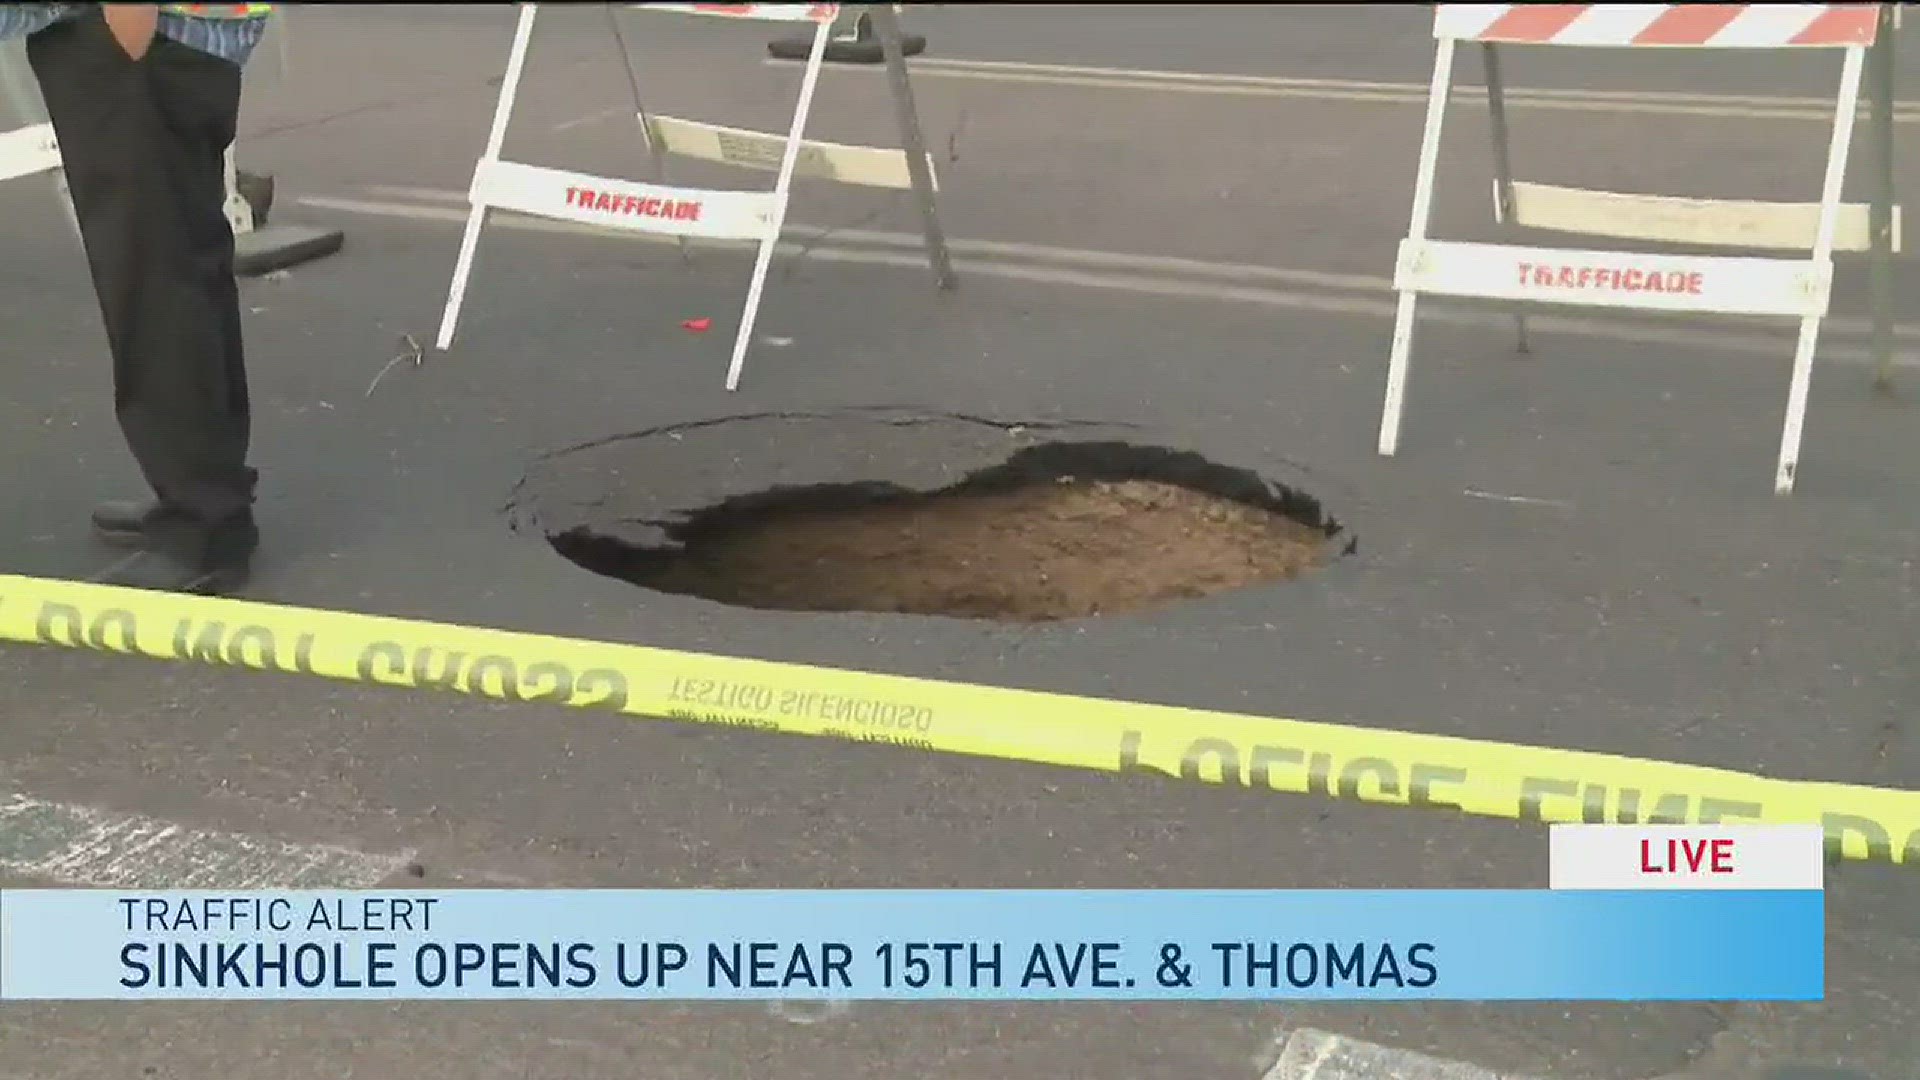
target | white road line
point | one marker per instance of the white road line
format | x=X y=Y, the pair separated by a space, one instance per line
x=594 y=118
x=1721 y=338
x=1678 y=103
x=81 y=845
x=1318 y=1055
x=1008 y=249
x=1517 y=500
x=1417 y=89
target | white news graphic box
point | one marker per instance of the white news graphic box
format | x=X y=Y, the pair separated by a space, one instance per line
x=1687 y=857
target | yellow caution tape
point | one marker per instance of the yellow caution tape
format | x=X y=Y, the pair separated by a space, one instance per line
x=1487 y=778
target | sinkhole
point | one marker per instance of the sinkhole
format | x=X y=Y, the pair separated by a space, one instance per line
x=1057 y=531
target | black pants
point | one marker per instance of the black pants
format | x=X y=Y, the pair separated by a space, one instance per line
x=143 y=143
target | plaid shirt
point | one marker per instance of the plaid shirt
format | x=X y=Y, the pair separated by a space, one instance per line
x=228 y=39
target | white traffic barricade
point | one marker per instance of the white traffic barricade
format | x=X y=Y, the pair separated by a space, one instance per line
x=1797 y=288
x=697 y=213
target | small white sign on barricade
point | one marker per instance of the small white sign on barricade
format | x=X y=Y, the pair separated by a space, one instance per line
x=1697 y=283
x=870 y=166
x=687 y=213
x=623 y=204
x=1787 y=288
x=28 y=151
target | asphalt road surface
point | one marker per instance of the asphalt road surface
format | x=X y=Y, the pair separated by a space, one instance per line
x=1177 y=218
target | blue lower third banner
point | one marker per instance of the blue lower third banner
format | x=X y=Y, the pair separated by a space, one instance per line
x=1479 y=945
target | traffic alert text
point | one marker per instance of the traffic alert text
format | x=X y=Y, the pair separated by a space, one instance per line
x=390 y=943
x=278 y=914
x=670 y=967
x=1687 y=857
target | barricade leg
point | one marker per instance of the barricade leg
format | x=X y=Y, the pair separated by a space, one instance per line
x=496 y=138
x=462 y=270
x=260 y=247
x=763 y=261
x=240 y=215
x=1843 y=123
x=1400 y=354
x=1502 y=164
x=656 y=155
x=1880 y=60
x=914 y=144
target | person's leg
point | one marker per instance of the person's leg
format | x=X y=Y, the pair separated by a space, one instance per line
x=142 y=143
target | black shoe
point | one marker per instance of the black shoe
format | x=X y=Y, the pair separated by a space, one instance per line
x=160 y=572
x=126 y=524
x=155 y=525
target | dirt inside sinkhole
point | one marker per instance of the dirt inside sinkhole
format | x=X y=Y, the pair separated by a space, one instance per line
x=1037 y=549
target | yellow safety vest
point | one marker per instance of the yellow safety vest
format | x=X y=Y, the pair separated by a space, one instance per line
x=220 y=11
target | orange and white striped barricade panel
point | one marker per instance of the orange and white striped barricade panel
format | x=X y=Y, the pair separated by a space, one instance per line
x=662 y=209
x=1695 y=26
x=1787 y=288
x=799 y=12
x=813 y=13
